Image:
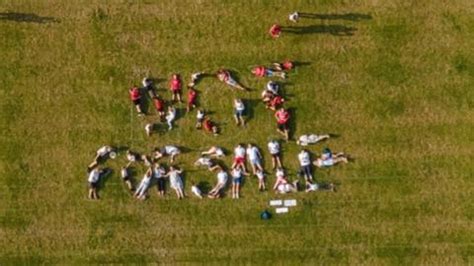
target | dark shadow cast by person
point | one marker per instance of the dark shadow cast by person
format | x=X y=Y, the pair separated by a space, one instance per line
x=204 y=186
x=301 y=63
x=27 y=17
x=250 y=105
x=336 y=30
x=144 y=101
x=103 y=177
x=347 y=16
x=292 y=125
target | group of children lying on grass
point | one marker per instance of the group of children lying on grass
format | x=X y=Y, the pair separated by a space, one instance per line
x=167 y=111
x=156 y=172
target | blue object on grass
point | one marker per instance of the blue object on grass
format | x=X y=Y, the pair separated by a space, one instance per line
x=265 y=215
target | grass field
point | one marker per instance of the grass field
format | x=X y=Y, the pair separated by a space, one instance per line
x=399 y=92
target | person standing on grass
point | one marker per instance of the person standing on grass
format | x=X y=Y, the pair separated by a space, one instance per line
x=224 y=76
x=254 y=157
x=283 y=118
x=159 y=173
x=175 y=87
x=274 y=149
x=216 y=191
x=192 y=95
x=176 y=181
x=261 y=71
x=305 y=165
x=237 y=176
x=125 y=174
x=239 y=157
x=135 y=96
x=239 y=109
x=159 y=106
x=167 y=150
x=142 y=189
x=170 y=117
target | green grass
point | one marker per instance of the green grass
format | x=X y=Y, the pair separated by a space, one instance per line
x=399 y=92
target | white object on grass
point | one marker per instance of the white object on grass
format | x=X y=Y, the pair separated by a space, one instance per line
x=112 y=155
x=281 y=210
x=276 y=202
x=294 y=17
x=289 y=203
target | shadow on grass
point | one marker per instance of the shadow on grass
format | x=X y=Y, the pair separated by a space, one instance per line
x=204 y=186
x=336 y=30
x=250 y=105
x=103 y=178
x=301 y=63
x=27 y=17
x=347 y=16
x=293 y=119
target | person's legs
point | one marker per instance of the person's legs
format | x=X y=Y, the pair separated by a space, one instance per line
x=278 y=160
x=275 y=161
x=244 y=167
x=94 y=163
x=236 y=118
x=172 y=157
x=177 y=192
x=237 y=190
x=286 y=133
x=129 y=185
x=139 y=110
x=340 y=159
x=254 y=168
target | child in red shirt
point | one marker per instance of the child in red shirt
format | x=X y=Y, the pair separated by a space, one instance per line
x=275 y=102
x=192 y=95
x=175 y=87
x=159 y=106
x=275 y=31
x=283 y=117
x=261 y=71
x=209 y=126
x=284 y=66
x=136 y=98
